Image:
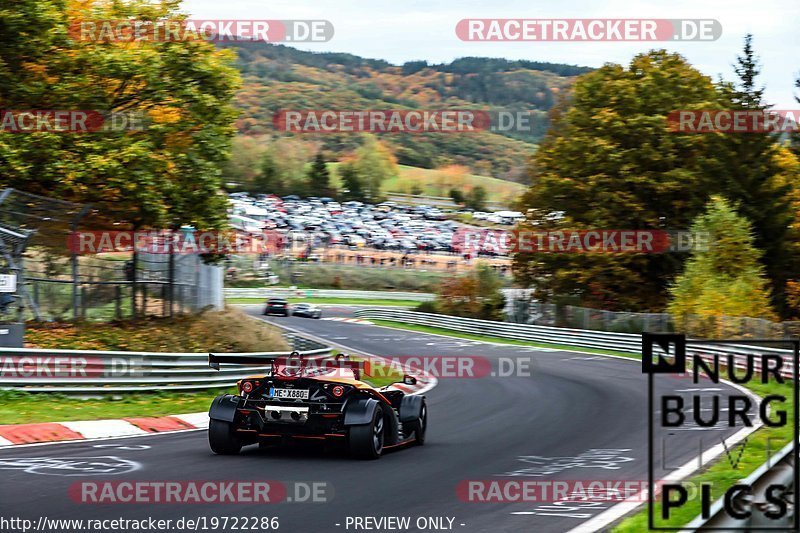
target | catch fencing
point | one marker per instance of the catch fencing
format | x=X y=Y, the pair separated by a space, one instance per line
x=55 y=282
x=526 y=311
x=598 y=340
x=262 y=293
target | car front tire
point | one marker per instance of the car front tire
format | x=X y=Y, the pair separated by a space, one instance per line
x=222 y=439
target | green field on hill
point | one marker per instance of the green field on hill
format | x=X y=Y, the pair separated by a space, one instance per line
x=435 y=182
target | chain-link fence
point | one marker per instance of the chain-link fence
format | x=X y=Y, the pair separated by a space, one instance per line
x=56 y=282
x=526 y=311
x=123 y=285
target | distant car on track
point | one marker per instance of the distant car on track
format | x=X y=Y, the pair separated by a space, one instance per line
x=277 y=306
x=306 y=310
x=313 y=398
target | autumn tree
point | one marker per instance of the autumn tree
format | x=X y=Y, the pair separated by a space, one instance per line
x=374 y=164
x=167 y=174
x=244 y=164
x=477 y=294
x=476 y=198
x=609 y=162
x=724 y=280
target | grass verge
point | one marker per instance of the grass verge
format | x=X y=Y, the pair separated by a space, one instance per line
x=340 y=301
x=380 y=374
x=500 y=340
x=18 y=407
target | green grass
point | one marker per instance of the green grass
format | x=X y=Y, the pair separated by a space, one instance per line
x=501 y=340
x=18 y=407
x=341 y=301
x=434 y=182
x=332 y=276
x=380 y=375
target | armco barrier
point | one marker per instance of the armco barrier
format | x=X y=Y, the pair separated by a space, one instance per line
x=268 y=292
x=32 y=370
x=624 y=342
x=778 y=470
x=603 y=340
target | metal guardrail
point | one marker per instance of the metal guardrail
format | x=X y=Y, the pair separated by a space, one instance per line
x=600 y=340
x=779 y=470
x=94 y=372
x=325 y=293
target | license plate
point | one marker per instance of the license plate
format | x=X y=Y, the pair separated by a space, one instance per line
x=291 y=394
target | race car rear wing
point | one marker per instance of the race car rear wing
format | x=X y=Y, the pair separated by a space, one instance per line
x=295 y=360
x=215 y=360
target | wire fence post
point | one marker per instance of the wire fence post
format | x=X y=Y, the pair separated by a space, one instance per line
x=73 y=227
x=118 y=302
x=171 y=277
x=133 y=282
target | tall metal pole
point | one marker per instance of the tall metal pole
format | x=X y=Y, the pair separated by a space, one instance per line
x=73 y=227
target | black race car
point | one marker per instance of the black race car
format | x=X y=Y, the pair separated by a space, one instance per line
x=277 y=306
x=306 y=310
x=313 y=398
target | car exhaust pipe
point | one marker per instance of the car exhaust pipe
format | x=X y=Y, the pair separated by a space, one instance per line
x=286 y=414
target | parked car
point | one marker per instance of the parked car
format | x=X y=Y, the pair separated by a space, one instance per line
x=312 y=222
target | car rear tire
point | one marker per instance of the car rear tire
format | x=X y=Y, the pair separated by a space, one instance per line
x=366 y=441
x=420 y=425
x=222 y=438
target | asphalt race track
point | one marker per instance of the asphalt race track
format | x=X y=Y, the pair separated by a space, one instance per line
x=493 y=427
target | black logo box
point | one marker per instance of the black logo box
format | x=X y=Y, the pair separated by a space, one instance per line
x=675 y=345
